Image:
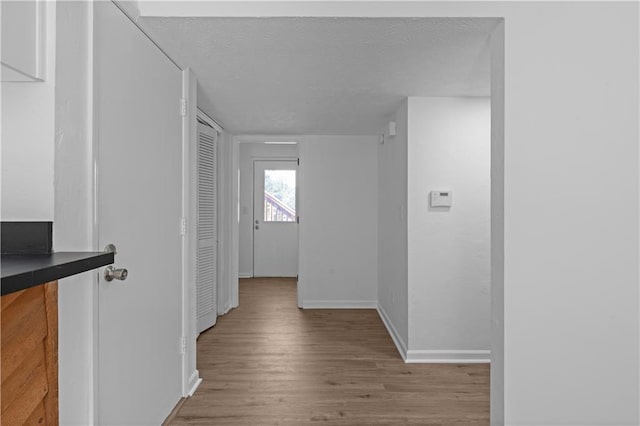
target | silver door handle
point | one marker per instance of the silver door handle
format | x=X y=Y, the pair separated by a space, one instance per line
x=111 y=273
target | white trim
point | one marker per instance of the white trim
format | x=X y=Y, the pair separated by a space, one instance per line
x=235 y=227
x=194 y=382
x=210 y=121
x=92 y=135
x=243 y=138
x=448 y=356
x=300 y=200
x=253 y=160
x=395 y=336
x=224 y=224
x=189 y=150
x=244 y=275
x=226 y=308
x=340 y=304
x=123 y=6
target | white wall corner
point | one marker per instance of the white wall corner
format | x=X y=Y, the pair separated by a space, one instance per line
x=194 y=382
x=226 y=308
x=448 y=356
x=339 y=304
x=395 y=336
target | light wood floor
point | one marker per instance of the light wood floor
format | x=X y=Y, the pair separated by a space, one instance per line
x=269 y=363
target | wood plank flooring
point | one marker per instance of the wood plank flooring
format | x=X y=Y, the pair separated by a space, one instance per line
x=269 y=363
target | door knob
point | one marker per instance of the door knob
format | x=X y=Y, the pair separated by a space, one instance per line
x=111 y=273
x=257 y=227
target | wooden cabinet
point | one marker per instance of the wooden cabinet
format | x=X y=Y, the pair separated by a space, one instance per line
x=29 y=369
x=23 y=40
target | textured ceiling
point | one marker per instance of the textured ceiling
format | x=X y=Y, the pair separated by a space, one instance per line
x=323 y=75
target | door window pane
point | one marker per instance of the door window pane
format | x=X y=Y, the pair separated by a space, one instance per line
x=279 y=195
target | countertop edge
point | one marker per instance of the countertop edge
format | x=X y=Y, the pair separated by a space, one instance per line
x=84 y=261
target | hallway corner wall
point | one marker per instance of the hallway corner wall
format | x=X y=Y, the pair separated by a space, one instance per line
x=73 y=208
x=449 y=256
x=392 y=229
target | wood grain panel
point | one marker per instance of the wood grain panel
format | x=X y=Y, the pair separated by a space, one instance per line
x=17 y=383
x=25 y=404
x=268 y=362
x=33 y=329
x=21 y=315
x=38 y=417
x=29 y=356
x=51 y=352
x=7 y=299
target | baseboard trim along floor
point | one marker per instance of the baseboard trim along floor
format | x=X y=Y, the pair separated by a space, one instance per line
x=448 y=356
x=395 y=336
x=339 y=304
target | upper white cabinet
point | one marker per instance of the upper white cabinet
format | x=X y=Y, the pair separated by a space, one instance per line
x=23 y=33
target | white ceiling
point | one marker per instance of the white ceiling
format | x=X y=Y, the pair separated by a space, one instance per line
x=323 y=75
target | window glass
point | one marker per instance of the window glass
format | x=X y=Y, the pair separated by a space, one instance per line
x=279 y=195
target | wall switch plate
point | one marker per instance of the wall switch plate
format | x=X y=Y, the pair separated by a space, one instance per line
x=440 y=198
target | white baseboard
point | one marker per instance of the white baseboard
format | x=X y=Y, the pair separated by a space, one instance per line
x=397 y=340
x=194 y=382
x=339 y=304
x=244 y=275
x=448 y=356
x=226 y=309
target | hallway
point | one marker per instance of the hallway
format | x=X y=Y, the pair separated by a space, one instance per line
x=268 y=362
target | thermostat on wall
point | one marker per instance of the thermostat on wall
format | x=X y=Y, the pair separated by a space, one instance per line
x=440 y=198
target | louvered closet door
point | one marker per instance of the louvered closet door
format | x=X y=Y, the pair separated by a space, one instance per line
x=207 y=231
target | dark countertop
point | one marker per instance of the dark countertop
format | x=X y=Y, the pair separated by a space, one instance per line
x=24 y=271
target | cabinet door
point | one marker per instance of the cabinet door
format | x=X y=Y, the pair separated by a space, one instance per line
x=23 y=39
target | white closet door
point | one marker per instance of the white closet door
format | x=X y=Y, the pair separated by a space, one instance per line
x=207 y=230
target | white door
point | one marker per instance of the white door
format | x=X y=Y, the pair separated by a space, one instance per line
x=206 y=227
x=139 y=165
x=275 y=227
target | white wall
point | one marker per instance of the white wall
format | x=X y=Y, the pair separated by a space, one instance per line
x=571 y=262
x=497 y=225
x=73 y=209
x=393 y=287
x=338 y=221
x=248 y=153
x=28 y=114
x=449 y=248
x=225 y=223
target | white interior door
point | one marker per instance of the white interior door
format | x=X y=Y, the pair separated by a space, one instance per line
x=275 y=227
x=207 y=230
x=138 y=128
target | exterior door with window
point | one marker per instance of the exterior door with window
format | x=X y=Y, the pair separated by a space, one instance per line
x=275 y=226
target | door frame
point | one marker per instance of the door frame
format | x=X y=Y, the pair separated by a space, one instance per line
x=190 y=375
x=235 y=197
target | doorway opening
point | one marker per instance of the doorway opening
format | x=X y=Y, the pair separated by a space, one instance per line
x=269 y=187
